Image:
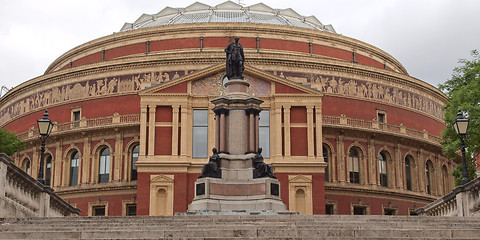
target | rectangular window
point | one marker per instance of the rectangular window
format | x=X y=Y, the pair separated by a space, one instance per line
x=359 y=210
x=131 y=210
x=389 y=211
x=381 y=118
x=99 y=211
x=76 y=115
x=74 y=172
x=200 y=134
x=264 y=133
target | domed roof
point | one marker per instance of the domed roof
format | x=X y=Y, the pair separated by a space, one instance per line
x=227 y=12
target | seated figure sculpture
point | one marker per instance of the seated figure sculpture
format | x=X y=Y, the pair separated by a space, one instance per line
x=261 y=168
x=212 y=168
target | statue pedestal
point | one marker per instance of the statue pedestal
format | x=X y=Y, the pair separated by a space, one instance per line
x=237 y=189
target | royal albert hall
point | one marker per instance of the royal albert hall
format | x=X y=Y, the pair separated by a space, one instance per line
x=346 y=129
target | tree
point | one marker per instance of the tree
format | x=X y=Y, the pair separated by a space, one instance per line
x=9 y=143
x=463 y=92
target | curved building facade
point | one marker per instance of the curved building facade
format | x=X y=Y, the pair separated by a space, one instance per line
x=344 y=126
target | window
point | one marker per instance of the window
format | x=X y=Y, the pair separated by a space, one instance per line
x=48 y=170
x=353 y=165
x=329 y=209
x=428 y=172
x=104 y=165
x=325 y=159
x=74 y=169
x=131 y=210
x=26 y=167
x=200 y=134
x=359 y=210
x=264 y=132
x=99 y=211
x=382 y=118
x=408 y=173
x=134 y=159
x=382 y=168
x=76 y=115
x=389 y=211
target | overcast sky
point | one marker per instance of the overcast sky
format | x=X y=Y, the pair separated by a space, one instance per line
x=426 y=36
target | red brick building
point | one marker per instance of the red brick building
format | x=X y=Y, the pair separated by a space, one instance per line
x=344 y=126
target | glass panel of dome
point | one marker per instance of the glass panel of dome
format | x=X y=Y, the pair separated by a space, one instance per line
x=192 y=18
x=265 y=18
x=228 y=17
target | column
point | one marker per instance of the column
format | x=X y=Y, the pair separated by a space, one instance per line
x=251 y=132
x=143 y=130
x=278 y=132
x=184 y=131
x=310 y=135
x=257 y=131
x=175 y=112
x=319 y=134
x=217 y=131
x=118 y=157
x=286 y=122
x=85 y=173
x=222 y=129
x=151 y=130
x=374 y=176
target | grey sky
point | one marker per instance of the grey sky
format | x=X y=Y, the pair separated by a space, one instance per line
x=427 y=37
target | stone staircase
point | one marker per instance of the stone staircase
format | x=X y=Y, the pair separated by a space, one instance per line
x=277 y=227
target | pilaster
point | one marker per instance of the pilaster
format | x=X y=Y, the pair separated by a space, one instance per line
x=118 y=156
x=175 y=123
x=373 y=171
x=143 y=130
x=341 y=161
x=277 y=137
x=319 y=132
x=151 y=130
x=86 y=160
x=310 y=134
x=286 y=123
x=58 y=164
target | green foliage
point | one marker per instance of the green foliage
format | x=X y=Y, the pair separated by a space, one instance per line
x=9 y=143
x=463 y=91
x=458 y=172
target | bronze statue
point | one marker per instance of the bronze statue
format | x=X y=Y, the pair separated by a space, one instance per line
x=235 y=59
x=212 y=168
x=261 y=168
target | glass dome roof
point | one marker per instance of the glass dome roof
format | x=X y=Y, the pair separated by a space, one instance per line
x=227 y=12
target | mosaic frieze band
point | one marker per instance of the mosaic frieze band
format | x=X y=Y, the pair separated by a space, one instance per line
x=367 y=90
x=213 y=85
x=87 y=89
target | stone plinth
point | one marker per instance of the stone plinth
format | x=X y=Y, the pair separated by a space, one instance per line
x=237 y=189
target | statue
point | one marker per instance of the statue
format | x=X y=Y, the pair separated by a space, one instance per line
x=212 y=168
x=261 y=168
x=235 y=59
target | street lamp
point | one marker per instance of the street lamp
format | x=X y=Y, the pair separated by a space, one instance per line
x=461 y=125
x=45 y=126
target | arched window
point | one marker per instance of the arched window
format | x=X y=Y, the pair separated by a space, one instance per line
x=325 y=159
x=408 y=173
x=48 y=170
x=429 y=173
x=382 y=169
x=445 y=179
x=134 y=159
x=26 y=166
x=74 y=159
x=104 y=165
x=354 y=165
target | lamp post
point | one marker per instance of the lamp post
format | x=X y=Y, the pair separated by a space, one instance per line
x=45 y=126
x=461 y=125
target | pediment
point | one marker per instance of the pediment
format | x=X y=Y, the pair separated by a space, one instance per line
x=300 y=179
x=161 y=178
x=209 y=81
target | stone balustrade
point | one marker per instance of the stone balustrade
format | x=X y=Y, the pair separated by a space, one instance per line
x=374 y=125
x=85 y=124
x=463 y=201
x=23 y=196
